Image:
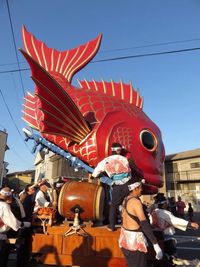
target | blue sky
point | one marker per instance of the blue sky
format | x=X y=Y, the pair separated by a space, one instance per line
x=170 y=84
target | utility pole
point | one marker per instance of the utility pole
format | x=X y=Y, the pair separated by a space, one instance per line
x=3 y=142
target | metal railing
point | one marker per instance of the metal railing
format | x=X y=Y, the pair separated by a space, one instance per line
x=189 y=175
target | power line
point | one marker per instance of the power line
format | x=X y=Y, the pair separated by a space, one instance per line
x=150 y=45
x=13 y=119
x=12 y=71
x=15 y=89
x=17 y=154
x=147 y=55
x=13 y=63
x=127 y=48
x=14 y=42
x=124 y=57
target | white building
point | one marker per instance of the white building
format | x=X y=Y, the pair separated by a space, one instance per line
x=182 y=175
x=52 y=166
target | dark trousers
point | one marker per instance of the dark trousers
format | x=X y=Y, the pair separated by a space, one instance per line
x=119 y=192
x=4 y=253
x=23 y=247
x=170 y=247
x=135 y=258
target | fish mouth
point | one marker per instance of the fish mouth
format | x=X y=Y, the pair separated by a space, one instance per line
x=149 y=189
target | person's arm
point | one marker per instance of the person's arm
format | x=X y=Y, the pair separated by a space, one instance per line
x=176 y=222
x=9 y=219
x=99 y=169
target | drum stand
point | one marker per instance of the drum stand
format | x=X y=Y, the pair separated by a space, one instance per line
x=44 y=224
x=76 y=228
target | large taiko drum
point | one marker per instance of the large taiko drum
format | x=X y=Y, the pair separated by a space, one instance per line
x=89 y=196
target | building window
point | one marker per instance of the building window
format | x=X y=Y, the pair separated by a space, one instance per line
x=195 y=165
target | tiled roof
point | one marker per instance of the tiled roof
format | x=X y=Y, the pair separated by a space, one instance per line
x=184 y=155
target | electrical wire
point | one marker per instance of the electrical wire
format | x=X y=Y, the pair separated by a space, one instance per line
x=150 y=45
x=12 y=71
x=147 y=55
x=14 y=42
x=13 y=119
x=124 y=57
x=17 y=154
x=15 y=91
x=9 y=64
x=128 y=48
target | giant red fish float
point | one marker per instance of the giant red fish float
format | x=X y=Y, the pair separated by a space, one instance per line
x=85 y=121
x=80 y=124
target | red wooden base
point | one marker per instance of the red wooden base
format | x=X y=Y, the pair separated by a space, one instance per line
x=100 y=248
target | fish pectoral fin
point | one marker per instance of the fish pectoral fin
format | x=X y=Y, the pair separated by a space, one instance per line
x=59 y=114
x=29 y=114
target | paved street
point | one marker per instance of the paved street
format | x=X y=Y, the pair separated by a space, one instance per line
x=188 y=246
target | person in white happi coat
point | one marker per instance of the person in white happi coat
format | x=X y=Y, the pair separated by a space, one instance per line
x=163 y=219
x=119 y=177
x=43 y=197
x=7 y=221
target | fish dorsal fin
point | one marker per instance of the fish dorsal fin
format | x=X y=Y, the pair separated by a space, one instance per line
x=67 y=62
x=119 y=90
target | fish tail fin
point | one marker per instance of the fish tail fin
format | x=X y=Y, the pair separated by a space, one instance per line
x=68 y=62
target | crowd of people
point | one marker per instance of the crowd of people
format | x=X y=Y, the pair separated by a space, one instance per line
x=16 y=216
x=137 y=220
x=179 y=208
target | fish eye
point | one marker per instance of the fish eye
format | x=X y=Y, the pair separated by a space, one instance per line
x=148 y=140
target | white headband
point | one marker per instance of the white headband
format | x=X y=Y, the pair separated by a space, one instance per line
x=116 y=148
x=6 y=193
x=131 y=187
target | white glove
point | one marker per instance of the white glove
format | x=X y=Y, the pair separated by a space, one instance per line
x=158 y=251
x=26 y=224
